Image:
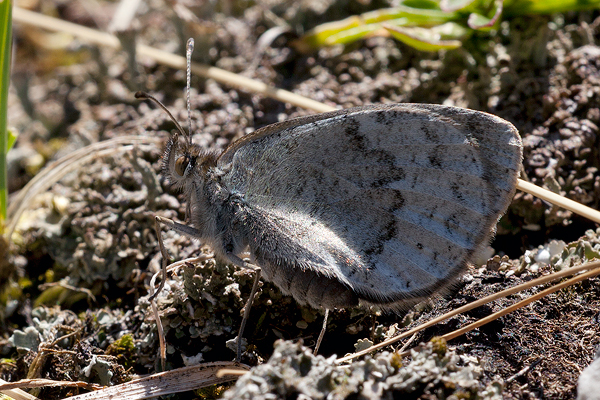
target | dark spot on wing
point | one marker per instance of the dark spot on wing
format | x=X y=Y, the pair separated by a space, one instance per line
x=434 y=161
x=393 y=200
x=388 y=176
x=387 y=118
x=415 y=180
x=318 y=177
x=471 y=126
x=457 y=192
x=387 y=233
x=352 y=130
x=382 y=157
x=431 y=135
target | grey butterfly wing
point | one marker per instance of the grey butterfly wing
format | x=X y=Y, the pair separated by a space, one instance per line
x=390 y=201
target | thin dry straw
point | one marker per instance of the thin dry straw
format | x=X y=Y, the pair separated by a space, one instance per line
x=559 y=200
x=229 y=78
x=147 y=387
x=165 y=383
x=586 y=275
x=105 y=39
x=539 y=281
x=56 y=170
x=39 y=383
x=159 y=327
x=514 y=307
x=16 y=394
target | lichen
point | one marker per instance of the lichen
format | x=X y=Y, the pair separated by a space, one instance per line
x=294 y=372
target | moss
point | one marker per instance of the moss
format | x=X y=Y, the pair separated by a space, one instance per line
x=213 y=392
x=396 y=361
x=439 y=345
x=123 y=349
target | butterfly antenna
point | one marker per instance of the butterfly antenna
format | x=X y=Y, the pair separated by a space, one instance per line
x=144 y=95
x=189 y=49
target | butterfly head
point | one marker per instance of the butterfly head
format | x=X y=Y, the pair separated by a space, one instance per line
x=184 y=163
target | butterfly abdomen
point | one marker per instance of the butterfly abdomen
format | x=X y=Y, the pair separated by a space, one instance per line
x=305 y=284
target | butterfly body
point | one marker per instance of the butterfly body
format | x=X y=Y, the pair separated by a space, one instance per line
x=375 y=205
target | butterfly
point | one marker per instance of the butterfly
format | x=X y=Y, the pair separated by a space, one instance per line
x=376 y=205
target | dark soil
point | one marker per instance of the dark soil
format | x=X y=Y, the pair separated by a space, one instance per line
x=85 y=250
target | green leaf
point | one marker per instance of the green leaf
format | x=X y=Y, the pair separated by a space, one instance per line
x=5 y=53
x=351 y=35
x=528 y=7
x=415 y=16
x=12 y=138
x=446 y=36
x=317 y=37
x=422 y=4
x=455 y=5
x=357 y=27
x=480 y=22
x=51 y=296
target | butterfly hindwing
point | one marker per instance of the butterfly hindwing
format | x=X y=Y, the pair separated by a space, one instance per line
x=389 y=202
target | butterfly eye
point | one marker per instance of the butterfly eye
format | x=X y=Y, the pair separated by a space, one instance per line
x=180 y=165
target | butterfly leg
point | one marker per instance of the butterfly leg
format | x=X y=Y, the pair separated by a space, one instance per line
x=187 y=230
x=165 y=260
x=181 y=228
x=322 y=333
x=244 y=264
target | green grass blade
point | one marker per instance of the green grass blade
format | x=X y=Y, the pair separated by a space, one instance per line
x=5 y=53
x=357 y=27
x=12 y=138
x=528 y=7
x=481 y=22
x=443 y=37
x=455 y=5
x=351 y=35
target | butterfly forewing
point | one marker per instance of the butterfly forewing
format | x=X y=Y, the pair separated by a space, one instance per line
x=386 y=202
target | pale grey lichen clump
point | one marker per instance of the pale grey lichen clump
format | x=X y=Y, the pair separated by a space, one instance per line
x=85 y=356
x=47 y=325
x=585 y=249
x=560 y=255
x=293 y=372
x=555 y=255
x=104 y=226
x=203 y=303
